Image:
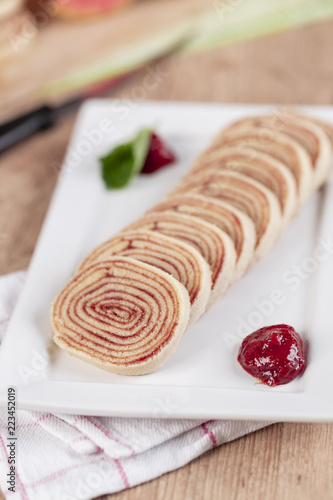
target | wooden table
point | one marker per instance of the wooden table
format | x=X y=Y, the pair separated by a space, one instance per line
x=284 y=461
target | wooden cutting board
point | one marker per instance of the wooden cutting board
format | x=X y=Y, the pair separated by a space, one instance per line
x=62 y=47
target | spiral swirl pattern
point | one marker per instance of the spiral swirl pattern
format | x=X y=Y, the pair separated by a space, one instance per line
x=246 y=194
x=174 y=257
x=259 y=166
x=306 y=133
x=122 y=315
x=213 y=244
x=279 y=146
x=233 y=222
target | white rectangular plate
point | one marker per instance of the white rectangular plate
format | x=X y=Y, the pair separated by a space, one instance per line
x=202 y=379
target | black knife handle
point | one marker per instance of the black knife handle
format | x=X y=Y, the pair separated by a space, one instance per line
x=23 y=126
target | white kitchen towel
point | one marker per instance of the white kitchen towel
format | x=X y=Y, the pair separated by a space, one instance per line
x=70 y=457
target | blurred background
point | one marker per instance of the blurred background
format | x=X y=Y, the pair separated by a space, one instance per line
x=62 y=51
x=52 y=49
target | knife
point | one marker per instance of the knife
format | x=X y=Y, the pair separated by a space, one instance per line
x=14 y=131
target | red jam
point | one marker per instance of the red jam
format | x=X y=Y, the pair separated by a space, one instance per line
x=274 y=354
x=158 y=156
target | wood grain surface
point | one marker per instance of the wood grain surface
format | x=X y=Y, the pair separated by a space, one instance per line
x=283 y=461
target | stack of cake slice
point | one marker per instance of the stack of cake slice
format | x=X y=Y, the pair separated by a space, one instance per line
x=134 y=296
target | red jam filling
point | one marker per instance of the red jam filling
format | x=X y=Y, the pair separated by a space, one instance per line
x=274 y=354
x=158 y=156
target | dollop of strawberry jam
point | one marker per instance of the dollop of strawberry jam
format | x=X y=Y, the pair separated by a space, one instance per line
x=158 y=156
x=274 y=354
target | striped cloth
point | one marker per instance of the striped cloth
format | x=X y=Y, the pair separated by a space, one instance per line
x=70 y=457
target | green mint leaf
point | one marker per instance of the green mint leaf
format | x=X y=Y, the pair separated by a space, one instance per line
x=117 y=167
x=126 y=161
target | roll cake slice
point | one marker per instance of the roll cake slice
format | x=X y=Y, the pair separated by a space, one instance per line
x=171 y=255
x=267 y=170
x=247 y=195
x=278 y=146
x=308 y=134
x=121 y=315
x=215 y=246
x=327 y=127
x=235 y=223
